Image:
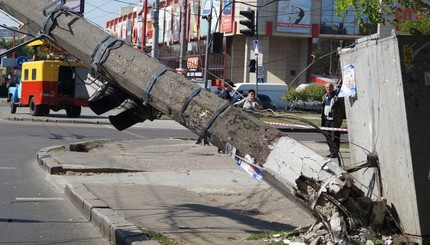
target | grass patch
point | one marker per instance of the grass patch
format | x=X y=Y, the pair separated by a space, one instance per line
x=94 y=144
x=165 y=117
x=377 y=241
x=58 y=149
x=266 y=234
x=274 y=237
x=121 y=147
x=155 y=236
x=314 y=118
x=344 y=145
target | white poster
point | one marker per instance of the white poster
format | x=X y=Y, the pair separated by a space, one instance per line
x=348 y=83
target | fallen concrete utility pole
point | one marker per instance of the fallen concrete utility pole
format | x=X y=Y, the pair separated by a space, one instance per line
x=316 y=183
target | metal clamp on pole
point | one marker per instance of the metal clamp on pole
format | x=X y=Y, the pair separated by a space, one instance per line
x=101 y=52
x=188 y=100
x=54 y=6
x=51 y=12
x=212 y=120
x=50 y=20
x=151 y=82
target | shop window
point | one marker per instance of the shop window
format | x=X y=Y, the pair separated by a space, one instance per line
x=332 y=24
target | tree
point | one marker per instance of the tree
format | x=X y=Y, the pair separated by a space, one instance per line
x=25 y=51
x=311 y=92
x=378 y=11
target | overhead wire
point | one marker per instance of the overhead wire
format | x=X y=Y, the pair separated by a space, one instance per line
x=314 y=58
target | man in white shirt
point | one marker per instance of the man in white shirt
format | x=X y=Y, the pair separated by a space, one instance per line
x=251 y=102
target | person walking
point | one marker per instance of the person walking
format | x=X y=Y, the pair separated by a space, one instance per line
x=332 y=117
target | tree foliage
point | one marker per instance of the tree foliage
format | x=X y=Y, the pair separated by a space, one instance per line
x=381 y=12
x=25 y=51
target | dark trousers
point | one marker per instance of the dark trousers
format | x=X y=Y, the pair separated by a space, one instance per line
x=333 y=136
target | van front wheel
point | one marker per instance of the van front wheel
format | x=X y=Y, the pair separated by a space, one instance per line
x=13 y=106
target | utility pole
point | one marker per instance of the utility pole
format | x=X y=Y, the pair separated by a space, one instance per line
x=288 y=166
x=256 y=51
x=184 y=17
x=208 y=43
x=144 y=24
x=156 y=9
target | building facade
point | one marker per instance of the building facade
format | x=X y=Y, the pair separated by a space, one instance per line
x=287 y=33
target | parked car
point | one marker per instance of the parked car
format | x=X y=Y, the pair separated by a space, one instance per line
x=264 y=99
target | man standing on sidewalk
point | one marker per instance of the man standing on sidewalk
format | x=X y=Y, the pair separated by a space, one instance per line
x=332 y=117
x=225 y=93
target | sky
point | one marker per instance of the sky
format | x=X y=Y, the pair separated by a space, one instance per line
x=97 y=11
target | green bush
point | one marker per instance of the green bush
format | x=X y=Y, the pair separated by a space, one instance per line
x=311 y=92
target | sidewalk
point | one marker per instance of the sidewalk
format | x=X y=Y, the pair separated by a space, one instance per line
x=187 y=192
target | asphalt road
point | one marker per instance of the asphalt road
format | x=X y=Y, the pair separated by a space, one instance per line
x=33 y=211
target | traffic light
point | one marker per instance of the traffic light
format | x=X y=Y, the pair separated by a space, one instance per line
x=251 y=65
x=130 y=110
x=130 y=113
x=250 y=22
x=218 y=41
x=106 y=98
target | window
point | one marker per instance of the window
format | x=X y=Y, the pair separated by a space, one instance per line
x=33 y=73
x=25 y=74
x=332 y=24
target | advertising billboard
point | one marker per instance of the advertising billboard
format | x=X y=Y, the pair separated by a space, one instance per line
x=227 y=16
x=294 y=16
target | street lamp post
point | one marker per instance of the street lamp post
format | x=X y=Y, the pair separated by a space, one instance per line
x=208 y=43
x=154 y=51
x=256 y=51
x=182 y=57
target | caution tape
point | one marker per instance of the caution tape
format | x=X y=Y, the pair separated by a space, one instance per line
x=287 y=125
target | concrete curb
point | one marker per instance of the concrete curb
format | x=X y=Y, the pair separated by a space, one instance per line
x=112 y=226
x=50 y=165
x=45 y=161
x=56 y=120
x=116 y=229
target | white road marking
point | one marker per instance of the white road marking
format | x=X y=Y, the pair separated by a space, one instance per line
x=127 y=132
x=7 y=168
x=38 y=199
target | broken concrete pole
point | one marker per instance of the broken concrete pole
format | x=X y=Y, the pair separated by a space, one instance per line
x=316 y=183
x=388 y=122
